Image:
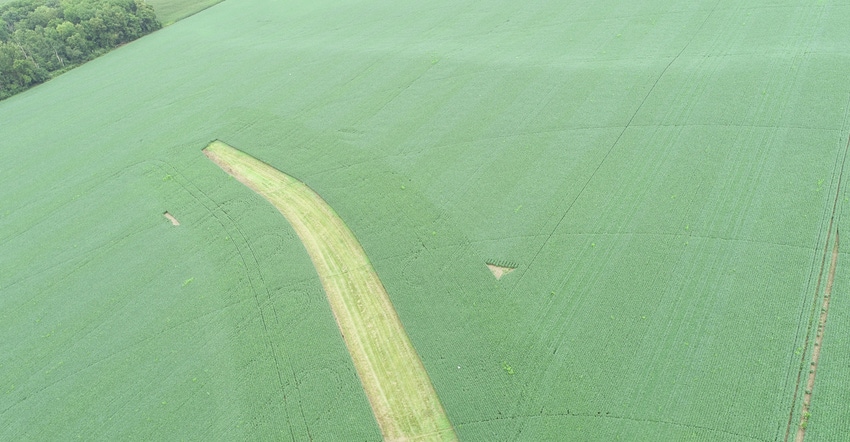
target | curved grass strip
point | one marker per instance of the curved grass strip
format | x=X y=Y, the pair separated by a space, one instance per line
x=401 y=395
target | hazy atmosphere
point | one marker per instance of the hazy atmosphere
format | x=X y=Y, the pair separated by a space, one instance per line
x=360 y=220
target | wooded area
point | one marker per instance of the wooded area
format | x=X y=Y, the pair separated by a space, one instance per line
x=42 y=38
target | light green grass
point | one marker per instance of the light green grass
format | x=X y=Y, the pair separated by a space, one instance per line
x=403 y=400
x=170 y=11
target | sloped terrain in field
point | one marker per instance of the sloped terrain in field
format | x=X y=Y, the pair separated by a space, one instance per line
x=662 y=176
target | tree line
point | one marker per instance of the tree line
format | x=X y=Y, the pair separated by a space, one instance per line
x=43 y=38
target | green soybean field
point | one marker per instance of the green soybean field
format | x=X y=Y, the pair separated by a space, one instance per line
x=595 y=221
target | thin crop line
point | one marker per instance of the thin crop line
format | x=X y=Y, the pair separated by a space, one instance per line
x=613 y=145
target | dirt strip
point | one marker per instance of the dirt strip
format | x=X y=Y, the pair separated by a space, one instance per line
x=810 y=384
x=804 y=417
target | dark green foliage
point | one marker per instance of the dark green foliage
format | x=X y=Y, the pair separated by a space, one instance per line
x=40 y=38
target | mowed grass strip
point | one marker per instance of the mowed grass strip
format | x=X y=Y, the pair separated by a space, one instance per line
x=403 y=400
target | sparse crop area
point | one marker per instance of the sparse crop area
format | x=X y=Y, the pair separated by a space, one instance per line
x=594 y=221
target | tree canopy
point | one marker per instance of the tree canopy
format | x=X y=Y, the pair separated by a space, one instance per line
x=41 y=38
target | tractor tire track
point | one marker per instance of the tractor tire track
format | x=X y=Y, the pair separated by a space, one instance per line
x=832 y=228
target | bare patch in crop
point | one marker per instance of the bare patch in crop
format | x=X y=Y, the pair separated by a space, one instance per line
x=171 y=218
x=501 y=269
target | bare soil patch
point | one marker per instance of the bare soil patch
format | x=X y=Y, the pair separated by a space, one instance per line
x=499 y=271
x=171 y=218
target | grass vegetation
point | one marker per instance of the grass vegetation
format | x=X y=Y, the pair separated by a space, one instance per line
x=402 y=398
x=170 y=11
x=661 y=174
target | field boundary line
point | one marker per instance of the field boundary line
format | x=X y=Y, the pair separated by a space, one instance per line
x=810 y=383
x=403 y=400
x=821 y=327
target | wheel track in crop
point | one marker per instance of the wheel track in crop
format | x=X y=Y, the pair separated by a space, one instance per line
x=217 y=212
x=608 y=416
x=833 y=254
x=807 y=339
x=615 y=143
x=529 y=391
x=810 y=383
x=403 y=400
x=793 y=73
x=215 y=209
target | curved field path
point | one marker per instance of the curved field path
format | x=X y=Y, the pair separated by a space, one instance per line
x=403 y=400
